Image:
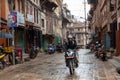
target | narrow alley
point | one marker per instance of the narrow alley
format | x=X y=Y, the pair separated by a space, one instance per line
x=52 y=67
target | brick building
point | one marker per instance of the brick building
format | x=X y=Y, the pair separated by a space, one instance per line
x=105 y=22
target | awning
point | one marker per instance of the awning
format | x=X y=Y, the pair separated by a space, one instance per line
x=5 y=35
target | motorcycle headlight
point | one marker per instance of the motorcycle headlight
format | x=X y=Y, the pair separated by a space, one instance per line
x=70 y=53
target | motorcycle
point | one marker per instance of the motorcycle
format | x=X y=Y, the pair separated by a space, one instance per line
x=71 y=61
x=102 y=54
x=59 y=48
x=97 y=49
x=51 y=49
x=33 y=52
x=96 y=53
x=3 y=61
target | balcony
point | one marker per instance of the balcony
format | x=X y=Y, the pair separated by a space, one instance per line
x=92 y=1
x=49 y=5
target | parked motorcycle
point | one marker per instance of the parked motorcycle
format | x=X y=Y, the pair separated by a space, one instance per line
x=51 y=49
x=97 y=49
x=102 y=54
x=18 y=57
x=3 y=61
x=96 y=53
x=71 y=61
x=59 y=48
x=33 y=52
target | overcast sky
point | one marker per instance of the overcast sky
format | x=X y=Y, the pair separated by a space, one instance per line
x=77 y=7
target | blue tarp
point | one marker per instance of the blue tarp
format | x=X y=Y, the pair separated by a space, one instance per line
x=5 y=35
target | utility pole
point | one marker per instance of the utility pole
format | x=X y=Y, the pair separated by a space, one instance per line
x=13 y=43
x=85 y=22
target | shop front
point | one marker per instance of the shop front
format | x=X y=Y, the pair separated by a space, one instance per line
x=113 y=29
x=118 y=37
x=19 y=38
x=33 y=38
x=46 y=40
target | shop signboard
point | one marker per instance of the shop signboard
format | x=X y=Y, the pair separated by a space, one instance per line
x=20 y=18
x=12 y=19
x=29 y=18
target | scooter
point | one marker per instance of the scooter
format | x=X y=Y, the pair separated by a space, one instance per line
x=51 y=49
x=71 y=61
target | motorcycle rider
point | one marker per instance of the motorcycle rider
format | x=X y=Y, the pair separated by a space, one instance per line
x=72 y=44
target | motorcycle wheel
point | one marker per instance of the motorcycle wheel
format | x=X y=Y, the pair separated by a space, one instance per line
x=3 y=64
x=71 y=68
x=33 y=54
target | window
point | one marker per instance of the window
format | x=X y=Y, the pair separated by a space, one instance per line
x=71 y=30
x=27 y=8
x=31 y=9
x=37 y=1
x=118 y=3
x=42 y=21
x=35 y=15
x=79 y=41
x=78 y=36
x=112 y=5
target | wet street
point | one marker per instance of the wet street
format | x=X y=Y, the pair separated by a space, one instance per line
x=52 y=67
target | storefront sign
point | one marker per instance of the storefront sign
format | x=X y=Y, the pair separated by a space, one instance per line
x=12 y=19
x=20 y=18
x=29 y=18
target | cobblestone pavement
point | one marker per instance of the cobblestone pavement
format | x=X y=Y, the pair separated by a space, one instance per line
x=52 y=67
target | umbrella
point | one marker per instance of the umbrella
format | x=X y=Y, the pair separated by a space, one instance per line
x=5 y=35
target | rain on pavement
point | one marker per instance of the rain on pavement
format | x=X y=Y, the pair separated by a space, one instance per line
x=52 y=67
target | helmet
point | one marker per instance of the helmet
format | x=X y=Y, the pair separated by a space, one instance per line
x=70 y=36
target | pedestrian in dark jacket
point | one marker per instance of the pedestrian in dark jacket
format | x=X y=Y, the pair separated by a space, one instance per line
x=70 y=43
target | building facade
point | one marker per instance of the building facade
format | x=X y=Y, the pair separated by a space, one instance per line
x=36 y=23
x=104 y=17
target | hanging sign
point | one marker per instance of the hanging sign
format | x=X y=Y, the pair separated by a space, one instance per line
x=12 y=19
